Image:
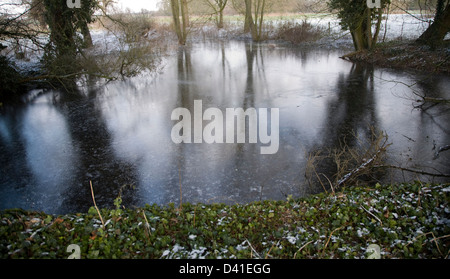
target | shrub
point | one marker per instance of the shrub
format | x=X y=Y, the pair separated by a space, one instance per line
x=296 y=33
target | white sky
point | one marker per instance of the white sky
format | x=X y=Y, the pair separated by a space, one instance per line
x=137 y=5
x=134 y=5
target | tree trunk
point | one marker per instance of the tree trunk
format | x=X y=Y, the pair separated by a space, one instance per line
x=87 y=43
x=248 y=24
x=362 y=34
x=367 y=26
x=179 y=8
x=377 y=27
x=254 y=19
x=61 y=28
x=184 y=14
x=176 y=17
x=261 y=19
x=220 y=24
x=358 y=39
x=435 y=33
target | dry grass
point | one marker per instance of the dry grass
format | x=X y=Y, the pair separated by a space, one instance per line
x=296 y=33
x=344 y=165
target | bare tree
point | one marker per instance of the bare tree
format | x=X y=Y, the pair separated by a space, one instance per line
x=254 y=11
x=218 y=6
x=18 y=26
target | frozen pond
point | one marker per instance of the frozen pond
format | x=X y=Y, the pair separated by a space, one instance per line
x=119 y=136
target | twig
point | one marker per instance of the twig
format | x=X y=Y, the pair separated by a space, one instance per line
x=419 y=193
x=147 y=225
x=195 y=211
x=411 y=139
x=270 y=250
x=253 y=249
x=320 y=181
x=95 y=205
x=329 y=238
x=435 y=239
x=181 y=188
x=349 y=175
x=373 y=215
x=442 y=149
x=436 y=100
x=301 y=248
x=435 y=242
x=331 y=184
x=413 y=170
x=410 y=14
x=146 y=221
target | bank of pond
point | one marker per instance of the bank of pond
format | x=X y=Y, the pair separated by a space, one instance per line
x=384 y=221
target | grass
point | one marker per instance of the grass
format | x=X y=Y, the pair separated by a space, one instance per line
x=404 y=220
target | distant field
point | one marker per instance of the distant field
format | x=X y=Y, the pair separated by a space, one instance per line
x=276 y=17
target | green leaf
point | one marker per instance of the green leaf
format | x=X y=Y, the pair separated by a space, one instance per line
x=92 y=211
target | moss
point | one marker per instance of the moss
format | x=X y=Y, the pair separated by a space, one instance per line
x=404 y=220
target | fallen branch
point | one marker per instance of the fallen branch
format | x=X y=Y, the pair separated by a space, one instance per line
x=413 y=170
x=436 y=100
x=350 y=55
x=442 y=149
x=432 y=101
x=61 y=77
x=359 y=169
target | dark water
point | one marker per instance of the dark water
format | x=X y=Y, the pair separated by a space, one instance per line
x=119 y=136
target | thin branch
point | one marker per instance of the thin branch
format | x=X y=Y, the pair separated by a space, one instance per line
x=95 y=205
x=362 y=167
x=253 y=249
x=442 y=149
x=413 y=170
x=331 y=184
x=414 y=16
x=373 y=215
x=329 y=238
x=301 y=248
